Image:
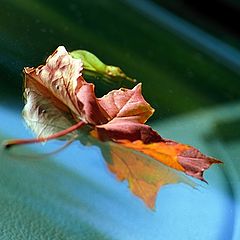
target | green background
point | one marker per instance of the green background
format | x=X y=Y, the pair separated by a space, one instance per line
x=176 y=77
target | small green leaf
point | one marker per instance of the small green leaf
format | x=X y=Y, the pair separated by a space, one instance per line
x=95 y=69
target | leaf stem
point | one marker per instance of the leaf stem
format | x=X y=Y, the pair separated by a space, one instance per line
x=14 y=142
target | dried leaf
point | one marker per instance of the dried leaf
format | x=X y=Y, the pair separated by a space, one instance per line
x=127 y=111
x=61 y=75
x=42 y=116
x=58 y=97
x=127 y=103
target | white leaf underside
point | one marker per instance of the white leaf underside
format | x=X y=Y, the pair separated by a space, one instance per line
x=43 y=117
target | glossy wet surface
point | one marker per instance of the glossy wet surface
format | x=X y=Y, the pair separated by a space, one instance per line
x=195 y=91
x=73 y=195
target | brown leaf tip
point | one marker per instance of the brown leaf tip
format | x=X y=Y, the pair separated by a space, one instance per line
x=195 y=163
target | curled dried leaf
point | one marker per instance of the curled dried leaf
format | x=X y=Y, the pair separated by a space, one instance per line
x=57 y=97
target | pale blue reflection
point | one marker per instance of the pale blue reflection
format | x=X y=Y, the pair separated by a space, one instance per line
x=96 y=198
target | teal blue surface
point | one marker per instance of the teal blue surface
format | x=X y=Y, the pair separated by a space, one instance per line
x=74 y=196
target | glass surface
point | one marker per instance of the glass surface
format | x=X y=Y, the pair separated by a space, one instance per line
x=72 y=195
